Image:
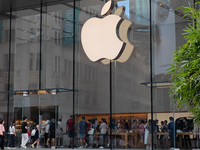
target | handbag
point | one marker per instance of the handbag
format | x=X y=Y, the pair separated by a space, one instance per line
x=91 y=131
x=29 y=133
x=33 y=132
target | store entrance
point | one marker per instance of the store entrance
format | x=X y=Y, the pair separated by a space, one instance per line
x=40 y=107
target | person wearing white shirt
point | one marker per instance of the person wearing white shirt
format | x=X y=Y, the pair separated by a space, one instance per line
x=12 y=135
x=103 y=129
x=59 y=135
x=47 y=138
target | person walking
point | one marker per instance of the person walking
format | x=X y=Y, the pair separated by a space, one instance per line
x=47 y=133
x=2 y=132
x=24 y=128
x=82 y=130
x=12 y=136
x=36 y=137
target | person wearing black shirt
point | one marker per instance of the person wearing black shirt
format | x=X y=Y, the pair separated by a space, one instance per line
x=186 y=128
x=24 y=133
x=52 y=132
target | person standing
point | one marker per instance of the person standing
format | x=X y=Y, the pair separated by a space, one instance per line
x=82 y=130
x=12 y=135
x=2 y=132
x=103 y=129
x=142 y=131
x=147 y=128
x=172 y=131
x=59 y=135
x=52 y=132
x=112 y=126
x=70 y=127
x=186 y=128
x=24 y=128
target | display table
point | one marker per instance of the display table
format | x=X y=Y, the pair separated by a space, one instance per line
x=126 y=136
x=181 y=135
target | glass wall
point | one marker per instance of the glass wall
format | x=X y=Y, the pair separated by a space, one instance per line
x=92 y=80
x=171 y=123
x=131 y=103
x=4 y=66
x=45 y=74
x=40 y=81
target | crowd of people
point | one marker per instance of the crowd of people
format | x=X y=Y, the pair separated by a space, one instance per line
x=42 y=135
x=95 y=134
x=33 y=134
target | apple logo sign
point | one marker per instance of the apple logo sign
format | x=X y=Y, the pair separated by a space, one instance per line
x=105 y=39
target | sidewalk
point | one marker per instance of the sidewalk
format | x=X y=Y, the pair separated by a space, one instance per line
x=29 y=148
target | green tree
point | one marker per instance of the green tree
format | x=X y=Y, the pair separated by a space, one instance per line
x=185 y=68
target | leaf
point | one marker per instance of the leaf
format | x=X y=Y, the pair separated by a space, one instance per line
x=185 y=67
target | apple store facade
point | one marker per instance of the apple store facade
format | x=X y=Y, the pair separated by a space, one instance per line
x=45 y=73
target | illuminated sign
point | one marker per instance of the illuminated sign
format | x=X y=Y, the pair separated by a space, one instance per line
x=106 y=39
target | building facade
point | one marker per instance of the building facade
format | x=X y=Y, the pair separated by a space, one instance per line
x=45 y=73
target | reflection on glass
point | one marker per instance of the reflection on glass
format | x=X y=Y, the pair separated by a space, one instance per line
x=41 y=57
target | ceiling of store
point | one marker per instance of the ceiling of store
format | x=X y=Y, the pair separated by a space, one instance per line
x=5 y=5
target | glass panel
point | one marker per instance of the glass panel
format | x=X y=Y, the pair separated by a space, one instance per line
x=92 y=83
x=131 y=105
x=4 y=67
x=167 y=29
x=48 y=117
x=24 y=67
x=25 y=106
x=65 y=110
x=57 y=63
x=41 y=112
x=25 y=49
x=57 y=46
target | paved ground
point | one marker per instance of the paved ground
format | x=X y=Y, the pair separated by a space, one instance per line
x=29 y=148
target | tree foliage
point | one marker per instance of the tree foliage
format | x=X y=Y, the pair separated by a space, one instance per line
x=185 y=68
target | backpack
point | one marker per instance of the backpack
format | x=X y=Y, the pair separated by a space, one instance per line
x=52 y=126
x=33 y=132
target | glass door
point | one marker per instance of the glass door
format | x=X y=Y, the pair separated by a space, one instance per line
x=48 y=117
x=25 y=106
